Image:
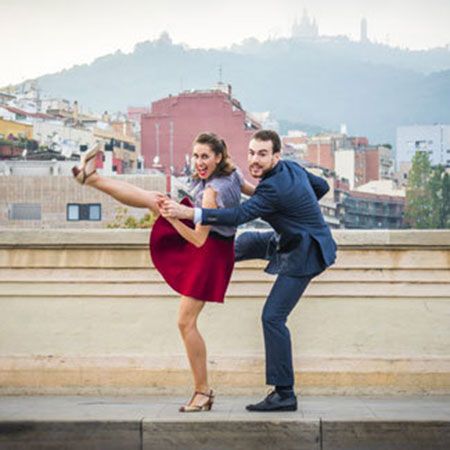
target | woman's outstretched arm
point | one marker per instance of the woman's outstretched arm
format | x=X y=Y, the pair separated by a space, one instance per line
x=198 y=235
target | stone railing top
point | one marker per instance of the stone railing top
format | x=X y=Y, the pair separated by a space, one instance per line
x=138 y=238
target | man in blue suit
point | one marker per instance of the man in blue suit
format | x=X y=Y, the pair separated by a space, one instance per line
x=299 y=248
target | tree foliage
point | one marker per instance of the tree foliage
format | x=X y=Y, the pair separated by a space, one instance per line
x=123 y=220
x=427 y=194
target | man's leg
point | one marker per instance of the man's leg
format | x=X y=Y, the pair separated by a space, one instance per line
x=283 y=297
x=252 y=245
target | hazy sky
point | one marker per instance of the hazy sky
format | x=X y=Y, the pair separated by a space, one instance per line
x=44 y=36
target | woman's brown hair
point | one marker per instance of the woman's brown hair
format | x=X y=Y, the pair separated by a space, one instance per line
x=218 y=147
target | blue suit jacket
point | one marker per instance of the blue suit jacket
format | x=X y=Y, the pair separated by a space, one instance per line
x=287 y=198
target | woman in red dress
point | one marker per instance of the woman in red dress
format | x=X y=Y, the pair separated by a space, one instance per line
x=196 y=261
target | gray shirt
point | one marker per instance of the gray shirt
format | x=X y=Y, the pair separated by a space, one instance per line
x=228 y=195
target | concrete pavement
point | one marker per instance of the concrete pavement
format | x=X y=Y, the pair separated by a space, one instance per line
x=153 y=422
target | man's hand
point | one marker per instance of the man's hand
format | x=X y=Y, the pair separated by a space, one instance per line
x=173 y=210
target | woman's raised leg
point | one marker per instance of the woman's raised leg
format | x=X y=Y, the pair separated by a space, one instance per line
x=124 y=192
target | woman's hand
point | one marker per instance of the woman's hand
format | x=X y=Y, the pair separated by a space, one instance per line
x=170 y=209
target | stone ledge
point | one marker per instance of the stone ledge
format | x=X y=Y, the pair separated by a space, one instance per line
x=63 y=238
x=134 y=375
x=163 y=434
x=325 y=423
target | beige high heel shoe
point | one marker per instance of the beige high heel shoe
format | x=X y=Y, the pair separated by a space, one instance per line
x=204 y=406
x=87 y=166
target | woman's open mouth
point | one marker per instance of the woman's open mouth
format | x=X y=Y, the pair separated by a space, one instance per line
x=202 y=171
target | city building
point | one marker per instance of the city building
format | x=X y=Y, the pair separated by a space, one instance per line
x=402 y=173
x=360 y=164
x=21 y=115
x=433 y=139
x=295 y=144
x=54 y=127
x=266 y=120
x=329 y=205
x=320 y=151
x=168 y=131
x=11 y=129
x=363 y=31
x=124 y=146
x=43 y=194
x=134 y=114
x=365 y=210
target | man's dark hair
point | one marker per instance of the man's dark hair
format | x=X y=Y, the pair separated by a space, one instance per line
x=269 y=135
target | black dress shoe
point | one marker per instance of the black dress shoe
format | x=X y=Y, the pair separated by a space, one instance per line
x=275 y=402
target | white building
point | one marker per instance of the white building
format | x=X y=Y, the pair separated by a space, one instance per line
x=345 y=164
x=434 y=139
x=62 y=138
x=382 y=187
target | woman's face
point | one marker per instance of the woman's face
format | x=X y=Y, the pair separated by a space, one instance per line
x=205 y=160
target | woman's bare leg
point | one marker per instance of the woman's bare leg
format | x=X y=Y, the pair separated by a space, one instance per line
x=194 y=343
x=124 y=192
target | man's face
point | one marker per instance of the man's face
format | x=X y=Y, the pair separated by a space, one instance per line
x=261 y=158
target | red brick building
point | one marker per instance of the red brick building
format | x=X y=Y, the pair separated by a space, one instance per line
x=167 y=132
x=135 y=113
x=379 y=163
x=321 y=153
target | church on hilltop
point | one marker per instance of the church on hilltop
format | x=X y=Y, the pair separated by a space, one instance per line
x=305 y=29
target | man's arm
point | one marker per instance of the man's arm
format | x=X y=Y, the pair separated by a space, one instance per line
x=198 y=235
x=248 y=188
x=263 y=202
x=319 y=185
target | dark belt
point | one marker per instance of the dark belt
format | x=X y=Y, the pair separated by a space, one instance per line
x=216 y=235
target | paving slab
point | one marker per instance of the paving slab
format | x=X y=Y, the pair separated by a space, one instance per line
x=210 y=434
x=150 y=422
x=385 y=435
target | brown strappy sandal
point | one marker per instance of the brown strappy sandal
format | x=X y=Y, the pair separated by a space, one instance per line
x=201 y=407
x=83 y=171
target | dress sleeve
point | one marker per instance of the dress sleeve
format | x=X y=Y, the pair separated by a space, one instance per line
x=240 y=176
x=216 y=186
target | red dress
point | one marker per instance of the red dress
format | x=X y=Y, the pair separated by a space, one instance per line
x=201 y=273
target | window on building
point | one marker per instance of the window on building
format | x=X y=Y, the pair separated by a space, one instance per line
x=78 y=211
x=25 y=211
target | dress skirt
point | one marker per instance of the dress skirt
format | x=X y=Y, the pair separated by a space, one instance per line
x=201 y=273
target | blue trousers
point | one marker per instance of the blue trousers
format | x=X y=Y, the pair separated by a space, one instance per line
x=283 y=297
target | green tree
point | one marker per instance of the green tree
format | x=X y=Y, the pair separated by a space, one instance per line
x=446 y=200
x=123 y=220
x=418 y=196
x=439 y=204
x=427 y=194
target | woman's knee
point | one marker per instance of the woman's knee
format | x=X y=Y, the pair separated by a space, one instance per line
x=186 y=323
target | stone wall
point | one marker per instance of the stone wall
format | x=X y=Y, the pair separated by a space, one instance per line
x=53 y=193
x=84 y=311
